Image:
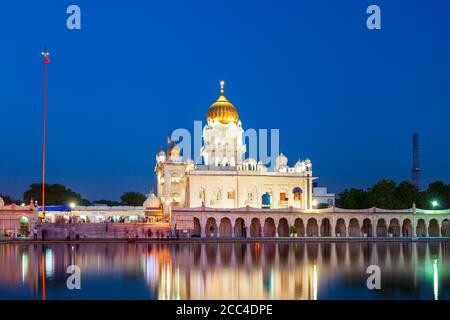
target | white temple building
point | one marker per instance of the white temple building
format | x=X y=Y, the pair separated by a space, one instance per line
x=225 y=179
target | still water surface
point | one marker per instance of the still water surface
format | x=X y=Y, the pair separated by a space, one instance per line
x=226 y=270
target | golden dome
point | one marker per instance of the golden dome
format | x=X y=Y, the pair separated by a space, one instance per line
x=222 y=110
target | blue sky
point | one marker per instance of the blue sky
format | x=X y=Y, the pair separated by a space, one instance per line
x=344 y=96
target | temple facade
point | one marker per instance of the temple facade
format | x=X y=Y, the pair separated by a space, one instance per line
x=224 y=178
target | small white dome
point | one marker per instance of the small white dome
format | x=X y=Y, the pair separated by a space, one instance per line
x=161 y=156
x=300 y=166
x=250 y=161
x=152 y=201
x=282 y=160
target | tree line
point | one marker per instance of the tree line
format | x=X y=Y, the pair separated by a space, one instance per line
x=387 y=194
x=58 y=194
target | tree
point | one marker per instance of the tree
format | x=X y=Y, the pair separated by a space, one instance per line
x=387 y=194
x=383 y=194
x=110 y=203
x=85 y=202
x=132 y=198
x=354 y=199
x=407 y=193
x=322 y=206
x=55 y=194
x=437 y=191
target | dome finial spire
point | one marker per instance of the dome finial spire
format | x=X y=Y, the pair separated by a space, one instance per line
x=222 y=87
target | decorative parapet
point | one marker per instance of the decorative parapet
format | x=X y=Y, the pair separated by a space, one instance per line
x=108 y=208
x=16 y=208
x=423 y=211
x=314 y=211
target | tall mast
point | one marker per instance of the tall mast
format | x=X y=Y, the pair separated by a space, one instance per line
x=44 y=131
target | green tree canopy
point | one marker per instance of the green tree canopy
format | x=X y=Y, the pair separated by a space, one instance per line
x=383 y=195
x=354 y=199
x=55 y=194
x=387 y=194
x=437 y=191
x=407 y=193
x=132 y=198
x=110 y=203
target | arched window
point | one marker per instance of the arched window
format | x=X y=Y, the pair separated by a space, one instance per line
x=297 y=194
x=266 y=200
x=201 y=195
x=283 y=195
x=175 y=197
x=216 y=195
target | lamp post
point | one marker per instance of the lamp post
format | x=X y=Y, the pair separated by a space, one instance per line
x=72 y=206
x=434 y=204
x=45 y=54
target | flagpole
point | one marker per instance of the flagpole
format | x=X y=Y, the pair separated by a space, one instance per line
x=44 y=133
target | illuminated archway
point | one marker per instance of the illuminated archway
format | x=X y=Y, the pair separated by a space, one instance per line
x=239 y=228
x=381 y=228
x=312 y=228
x=211 y=228
x=225 y=228
x=300 y=227
x=255 y=228
x=283 y=228
x=341 y=230
x=433 y=228
x=366 y=228
x=197 y=228
x=407 y=228
x=445 y=228
x=325 y=228
x=421 y=228
x=269 y=228
x=394 y=227
x=353 y=228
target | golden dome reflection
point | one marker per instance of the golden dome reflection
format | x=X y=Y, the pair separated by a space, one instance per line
x=222 y=110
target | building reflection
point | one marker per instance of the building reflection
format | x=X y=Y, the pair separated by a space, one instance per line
x=257 y=270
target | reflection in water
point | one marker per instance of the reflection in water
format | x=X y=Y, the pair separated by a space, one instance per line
x=435 y=280
x=315 y=282
x=24 y=265
x=261 y=270
x=49 y=262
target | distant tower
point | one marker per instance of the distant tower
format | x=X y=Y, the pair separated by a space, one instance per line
x=415 y=173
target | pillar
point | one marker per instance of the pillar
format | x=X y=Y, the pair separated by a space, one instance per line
x=247 y=227
x=276 y=223
x=319 y=225
x=333 y=228
x=233 y=224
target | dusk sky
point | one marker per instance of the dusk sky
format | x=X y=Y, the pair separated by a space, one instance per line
x=344 y=96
